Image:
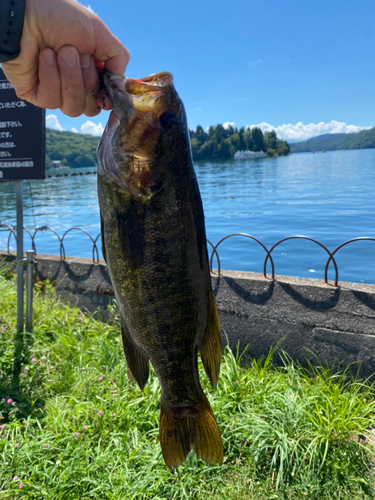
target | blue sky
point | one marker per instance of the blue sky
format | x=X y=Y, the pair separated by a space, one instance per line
x=301 y=67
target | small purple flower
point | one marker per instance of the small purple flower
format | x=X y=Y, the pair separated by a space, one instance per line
x=20 y=486
x=52 y=368
x=236 y=381
x=111 y=381
x=46 y=446
x=84 y=428
x=82 y=369
x=16 y=445
x=26 y=368
x=100 y=412
x=33 y=360
x=100 y=379
x=9 y=401
x=15 y=478
x=115 y=391
x=43 y=358
x=2 y=426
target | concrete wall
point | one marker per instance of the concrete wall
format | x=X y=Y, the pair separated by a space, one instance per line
x=322 y=323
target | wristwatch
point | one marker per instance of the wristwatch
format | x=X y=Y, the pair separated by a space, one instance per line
x=12 y=13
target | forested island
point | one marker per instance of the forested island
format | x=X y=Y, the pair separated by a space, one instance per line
x=334 y=142
x=222 y=142
x=79 y=150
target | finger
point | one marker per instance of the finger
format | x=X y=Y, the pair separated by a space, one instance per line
x=91 y=84
x=72 y=87
x=109 y=49
x=49 y=90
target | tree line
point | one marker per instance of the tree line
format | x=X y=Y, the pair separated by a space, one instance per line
x=222 y=142
x=72 y=149
x=79 y=150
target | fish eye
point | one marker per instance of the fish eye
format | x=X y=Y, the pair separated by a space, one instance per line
x=167 y=119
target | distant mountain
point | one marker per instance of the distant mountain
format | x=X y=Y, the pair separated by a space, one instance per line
x=72 y=149
x=333 y=142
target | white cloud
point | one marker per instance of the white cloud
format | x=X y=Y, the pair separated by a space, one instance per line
x=73 y=129
x=226 y=125
x=92 y=128
x=53 y=122
x=301 y=132
x=88 y=7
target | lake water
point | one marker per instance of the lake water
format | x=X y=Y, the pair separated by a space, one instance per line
x=329 y=197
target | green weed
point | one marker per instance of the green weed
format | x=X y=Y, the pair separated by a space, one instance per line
x=75 y=426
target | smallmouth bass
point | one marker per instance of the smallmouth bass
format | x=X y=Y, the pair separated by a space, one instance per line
x=154 y=244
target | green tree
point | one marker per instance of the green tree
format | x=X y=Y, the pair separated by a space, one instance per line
x=270 y=140
x=258 y=140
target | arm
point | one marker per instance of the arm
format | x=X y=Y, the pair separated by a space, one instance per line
x=60 y=47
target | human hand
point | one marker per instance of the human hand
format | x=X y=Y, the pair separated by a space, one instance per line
x=63 y=45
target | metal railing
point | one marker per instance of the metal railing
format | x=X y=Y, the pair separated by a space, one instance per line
x=214 y=253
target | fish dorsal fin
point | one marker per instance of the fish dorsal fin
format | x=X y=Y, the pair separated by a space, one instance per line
x=138 y=364
x=211 y=350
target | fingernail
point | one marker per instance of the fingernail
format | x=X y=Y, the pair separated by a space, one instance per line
x=69 y=56
x=85 y=60
x=49 y=57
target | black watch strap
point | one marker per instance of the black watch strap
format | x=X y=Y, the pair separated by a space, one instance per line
x=12 y=13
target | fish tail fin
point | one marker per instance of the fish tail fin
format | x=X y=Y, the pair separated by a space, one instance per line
x=196 y=429
x=211 y=349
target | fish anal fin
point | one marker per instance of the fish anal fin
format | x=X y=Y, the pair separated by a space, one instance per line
x=138 y=364
x=210 y=349
x=197 y=431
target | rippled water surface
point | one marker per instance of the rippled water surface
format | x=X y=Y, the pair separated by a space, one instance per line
x=329 y=197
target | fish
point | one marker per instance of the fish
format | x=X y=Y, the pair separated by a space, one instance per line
x=154 y=244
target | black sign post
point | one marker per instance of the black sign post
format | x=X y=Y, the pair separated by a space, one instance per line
x=22 y=156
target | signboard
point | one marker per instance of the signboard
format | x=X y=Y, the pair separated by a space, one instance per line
x=22 y=136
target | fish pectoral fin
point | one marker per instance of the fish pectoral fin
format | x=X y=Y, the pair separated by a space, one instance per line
x=210 y=349
x=138 y=364
x=198 y=432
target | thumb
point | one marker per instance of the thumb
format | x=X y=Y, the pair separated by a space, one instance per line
x=110 y=50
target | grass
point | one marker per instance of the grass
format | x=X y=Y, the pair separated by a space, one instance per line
x=74 y=426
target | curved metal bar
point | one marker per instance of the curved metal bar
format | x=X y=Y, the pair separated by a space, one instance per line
x=95 y=251
x=338 y=248
x=217 y=257
x=95 y=247
x=88 y=234
x=302 y=238
x=247 y=236
x=44 y=228
x=12 y=231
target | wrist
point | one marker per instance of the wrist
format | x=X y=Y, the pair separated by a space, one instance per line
x=12 y=13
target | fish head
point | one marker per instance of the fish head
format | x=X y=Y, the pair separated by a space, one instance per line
x=145 y=133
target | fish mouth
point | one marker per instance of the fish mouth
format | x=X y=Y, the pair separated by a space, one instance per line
x=151 y=83
x=149 y=88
